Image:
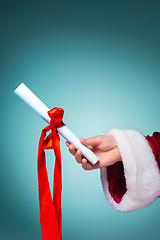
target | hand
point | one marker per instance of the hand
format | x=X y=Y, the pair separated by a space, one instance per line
x=105 y=147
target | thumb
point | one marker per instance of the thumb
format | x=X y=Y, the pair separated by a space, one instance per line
x=93 y=141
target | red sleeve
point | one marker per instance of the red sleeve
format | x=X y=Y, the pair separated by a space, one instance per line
x=154 y=142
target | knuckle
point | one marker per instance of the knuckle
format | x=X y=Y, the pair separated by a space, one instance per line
x=76 y=154
x=78 y=160
x=70 y=150
x=71 y=147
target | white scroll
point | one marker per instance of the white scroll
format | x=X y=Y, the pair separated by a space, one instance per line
x=34 y=102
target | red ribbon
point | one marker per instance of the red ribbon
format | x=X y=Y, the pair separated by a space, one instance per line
x=50 y=209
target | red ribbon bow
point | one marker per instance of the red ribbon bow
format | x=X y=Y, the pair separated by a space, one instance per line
x=50 y=209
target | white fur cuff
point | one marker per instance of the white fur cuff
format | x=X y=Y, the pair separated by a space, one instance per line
x=142 y=174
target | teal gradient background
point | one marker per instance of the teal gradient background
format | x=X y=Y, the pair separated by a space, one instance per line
x=100 y=61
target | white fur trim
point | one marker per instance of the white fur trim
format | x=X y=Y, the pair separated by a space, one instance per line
x=140 y=168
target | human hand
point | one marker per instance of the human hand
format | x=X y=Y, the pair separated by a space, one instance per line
x=105 y=147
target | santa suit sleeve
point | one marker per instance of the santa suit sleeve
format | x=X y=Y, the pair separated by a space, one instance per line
x=134 y=182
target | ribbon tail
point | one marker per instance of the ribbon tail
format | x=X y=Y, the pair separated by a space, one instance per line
x=48 y=216
x=57 y=183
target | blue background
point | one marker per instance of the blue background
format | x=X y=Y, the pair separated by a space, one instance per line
x=100 y=61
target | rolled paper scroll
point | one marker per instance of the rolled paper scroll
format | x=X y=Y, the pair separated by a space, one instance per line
x=36 y=104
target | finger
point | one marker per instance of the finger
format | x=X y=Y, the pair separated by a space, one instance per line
x=93 y=141
x=67 y=143
x=72 y=149
x=91 y=148
x=78 y=156
x=86 y=165
x=96 y=165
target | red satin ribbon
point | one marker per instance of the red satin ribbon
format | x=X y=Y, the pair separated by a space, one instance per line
x=50 y=209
